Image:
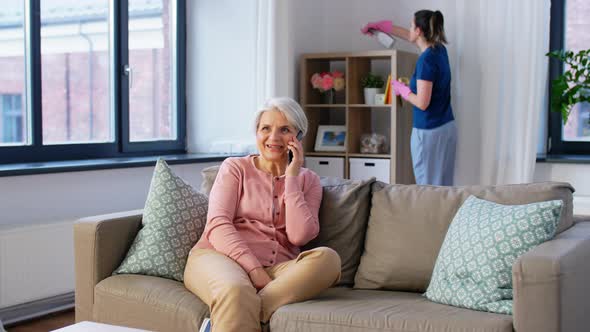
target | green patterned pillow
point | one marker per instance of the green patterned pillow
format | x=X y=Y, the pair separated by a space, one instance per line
x=174 y=217
x=474 y=266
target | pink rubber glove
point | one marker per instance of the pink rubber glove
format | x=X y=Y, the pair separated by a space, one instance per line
x=384 y=26
x=400 y=89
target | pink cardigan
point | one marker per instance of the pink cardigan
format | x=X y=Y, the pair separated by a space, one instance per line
x=259 y=220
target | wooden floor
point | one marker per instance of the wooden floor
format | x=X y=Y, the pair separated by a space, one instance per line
x=46 y=323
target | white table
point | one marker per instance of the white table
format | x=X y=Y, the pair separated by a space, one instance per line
x=96 y=327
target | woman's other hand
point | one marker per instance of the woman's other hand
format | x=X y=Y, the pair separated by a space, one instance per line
x=383 y=26
x=259 y=278
x=297 y=149
x=400 y=89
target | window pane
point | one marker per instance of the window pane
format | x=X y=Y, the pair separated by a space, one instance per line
x=13 y=119
x=151 y=115
x=577 y=38
x=75 y=71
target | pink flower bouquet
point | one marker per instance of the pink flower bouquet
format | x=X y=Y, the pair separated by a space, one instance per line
x=328 y=81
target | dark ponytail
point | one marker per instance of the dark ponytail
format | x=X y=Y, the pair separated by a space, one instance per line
x=432 y=25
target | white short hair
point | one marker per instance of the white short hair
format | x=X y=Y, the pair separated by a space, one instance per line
x=290 y=109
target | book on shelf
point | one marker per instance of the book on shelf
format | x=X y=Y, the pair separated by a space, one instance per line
x=388 y=90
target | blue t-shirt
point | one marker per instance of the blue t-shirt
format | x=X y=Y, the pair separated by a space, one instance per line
x=433 y=65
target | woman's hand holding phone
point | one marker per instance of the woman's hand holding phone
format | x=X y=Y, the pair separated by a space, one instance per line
x=296 y=150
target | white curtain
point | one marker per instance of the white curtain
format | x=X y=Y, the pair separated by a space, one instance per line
x=501 y=83
x=273 y=50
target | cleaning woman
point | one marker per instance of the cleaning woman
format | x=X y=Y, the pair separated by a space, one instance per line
x=434 y=136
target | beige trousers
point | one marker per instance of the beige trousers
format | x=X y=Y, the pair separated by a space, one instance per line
x=232 y=299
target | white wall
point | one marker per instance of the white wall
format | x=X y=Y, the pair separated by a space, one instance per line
x=47 y=198
x=38 y=211
x=333 y=25
x=220 y=74
x=576 y=174
x=314 y=26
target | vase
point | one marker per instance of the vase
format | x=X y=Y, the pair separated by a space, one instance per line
x=370 y=95
x=328 y=96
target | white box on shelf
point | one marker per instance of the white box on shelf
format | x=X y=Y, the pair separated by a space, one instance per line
x=326 y=166
x=364 y=168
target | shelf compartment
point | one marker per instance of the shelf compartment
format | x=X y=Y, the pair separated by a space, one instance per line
x=312 y=65
x=366 y=120
x=319 y=116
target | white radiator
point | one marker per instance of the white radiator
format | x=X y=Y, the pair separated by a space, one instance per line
x=36 y=262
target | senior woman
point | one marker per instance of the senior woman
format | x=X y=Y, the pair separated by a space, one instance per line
x=262 y=209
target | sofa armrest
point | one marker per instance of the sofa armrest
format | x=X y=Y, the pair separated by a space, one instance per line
x=551 y=287
x=581 y=218
x=100 y=244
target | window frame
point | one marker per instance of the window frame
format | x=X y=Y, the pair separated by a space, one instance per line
x=557 y=146
x=119 y=98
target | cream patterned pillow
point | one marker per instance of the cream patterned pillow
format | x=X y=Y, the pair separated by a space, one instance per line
x=174 y=217
x=474 y=266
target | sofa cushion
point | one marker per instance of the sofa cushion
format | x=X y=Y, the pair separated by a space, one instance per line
x=474 y=267
x=208 y=176
x=350 y=310
x=174 y=217
x=147 y=302
x=343 y=219
x=407 y=225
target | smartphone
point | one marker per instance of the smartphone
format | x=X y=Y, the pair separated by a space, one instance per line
x=299 y=138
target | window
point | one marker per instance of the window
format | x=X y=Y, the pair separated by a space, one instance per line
x=75 y=72
x=91 y=79
x=569 y=30
x=12 y=118
x=150 y=110
x=13 y=131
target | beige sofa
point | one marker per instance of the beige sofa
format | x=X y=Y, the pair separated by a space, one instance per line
x=389 y=249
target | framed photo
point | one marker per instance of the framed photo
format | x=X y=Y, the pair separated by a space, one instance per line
x=331 y=138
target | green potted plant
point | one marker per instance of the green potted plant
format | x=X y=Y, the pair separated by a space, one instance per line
x=573 y=86
x=372 y=85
